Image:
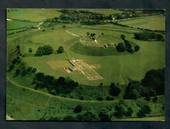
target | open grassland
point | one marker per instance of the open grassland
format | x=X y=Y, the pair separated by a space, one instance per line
x=113 y=67
x=31 y=14
x=148 y=22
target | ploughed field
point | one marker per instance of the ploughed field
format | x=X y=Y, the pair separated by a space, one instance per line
x=88 y=62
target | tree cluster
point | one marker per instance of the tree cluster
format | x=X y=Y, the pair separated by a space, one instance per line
x=151 y=85
x=126 y=46
x=154 y=82
x=121 y=110
x=53 y=85
x=143 y=111
x=126 y=14
x=148 y=36
x=78 y=16
x=44 y=50
x=91 y=36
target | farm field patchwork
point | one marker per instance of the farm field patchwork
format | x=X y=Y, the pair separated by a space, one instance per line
x=64 y=67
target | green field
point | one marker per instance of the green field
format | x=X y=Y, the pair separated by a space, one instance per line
x=30 y=14
x=95 y=64
x=147 y=22
x=16 y=24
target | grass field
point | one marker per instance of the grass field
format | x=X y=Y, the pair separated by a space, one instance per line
x=91 y=64
x=147 y=22
x=38 y=104
x=15 y=24
x=30 y=14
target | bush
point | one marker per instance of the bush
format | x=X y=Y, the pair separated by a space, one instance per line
x=114 y=90
x=78 y=109
x=99 y=98
x=120 y=109
x=145 y=109
x=103 y=116
x=87 y=116
x=11 y=67
x=132 y=91
x=34 y=70
x=60 y=50
x=17 y=72
x=129 y=112
x=30 y=50
x=120 y=47
x=137 y=48
x=155 y=99
x=70 y=118
x=109 y=98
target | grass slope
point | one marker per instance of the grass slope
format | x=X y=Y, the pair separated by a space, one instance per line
x=39 y=103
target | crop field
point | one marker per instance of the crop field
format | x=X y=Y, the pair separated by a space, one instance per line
x=64 y=70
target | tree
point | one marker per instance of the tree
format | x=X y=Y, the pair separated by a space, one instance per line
x=109 y=98
x=122 y=36
x=120 y=47
x=154 y=82
x=120 y=109
x=132 y=91
x=60 y=50
x=18 y=50
x=103 y=116
x=114 y=90
x=143 y=111
x=11 y=67
x=155 y=99
x=39 y=77
x=34 y=70
x=30 y=50
x=128 y=46
x=129 y=111
x=78 y=109
x=137 y=48
x=148 y=36
x=17 y=72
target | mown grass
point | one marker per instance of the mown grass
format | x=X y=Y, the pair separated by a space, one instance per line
x=114 y=68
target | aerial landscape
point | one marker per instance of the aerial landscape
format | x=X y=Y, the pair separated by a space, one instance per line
x=85 y=64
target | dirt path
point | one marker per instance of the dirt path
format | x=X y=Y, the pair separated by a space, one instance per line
x=39 y=24
x=73 y=34
x=53 y=96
